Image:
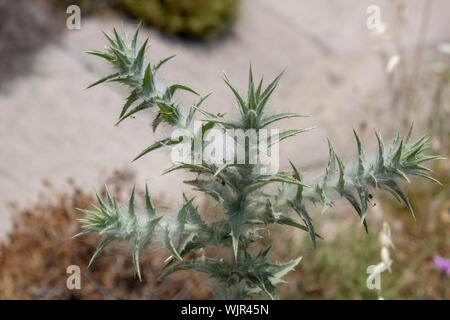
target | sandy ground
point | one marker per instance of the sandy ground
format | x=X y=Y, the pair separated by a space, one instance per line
x=52 y=128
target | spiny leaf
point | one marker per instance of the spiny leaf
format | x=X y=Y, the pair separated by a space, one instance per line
x=136 y=33
x=109 y=197
x=302 y=213
x=101 y=54
x=142 y=106
x=401 y=174
x=268 y=120
x=213 y=118
x=398 y=154
x=101 y=203
x=110 y=39
x=297 y=176
x=380 y=150
x=327 y=202
x=285 y=268
x=242 y=105
x=331 y=167
x=408 y=137
x=426 y=176
x=139 y=61
x=193 y=167
x=171 y=90
x=151 y=225
x=111 y=76
x=170 y=247
x=291 y=222
x=121 y=58
x=261 y=181
x=157 y=121
x=396 y=190
x=364 y=199
x=284 y=135
x=360 y=155
x=341 y=182
x=235 y=221
x=269 y=289
x=192 y=109
x=119 y=40
x=251 y=90
x=149 y=204
x=126 y=80
x=100 y=247
x=182 y=214
x=131 y=210
x=136 y=254
x=184 y=240
x=396 y=141
x=352 y=200
x=161 y=62
x=130 y=100
x=221 y=168
x=252 y=118
x=258 y=91
x=157 y=145
x=147 y=83
x=267 y=92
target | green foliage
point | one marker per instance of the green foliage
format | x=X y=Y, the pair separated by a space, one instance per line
x=203 y=19
x=393 y=163
x=337 y=268
x=238 y=188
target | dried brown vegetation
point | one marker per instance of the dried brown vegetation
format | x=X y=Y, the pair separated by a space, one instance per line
x=34 y=258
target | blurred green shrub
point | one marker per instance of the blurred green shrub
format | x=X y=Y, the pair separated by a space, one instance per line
x=88 y=7
x=202 y=19
x=198 y=19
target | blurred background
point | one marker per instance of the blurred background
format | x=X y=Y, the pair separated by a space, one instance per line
x=58 y=145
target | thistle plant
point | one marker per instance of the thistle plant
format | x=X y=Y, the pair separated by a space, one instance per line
x=239 y=188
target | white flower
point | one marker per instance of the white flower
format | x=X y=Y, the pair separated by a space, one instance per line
x=385 y=258
x=385 y=236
